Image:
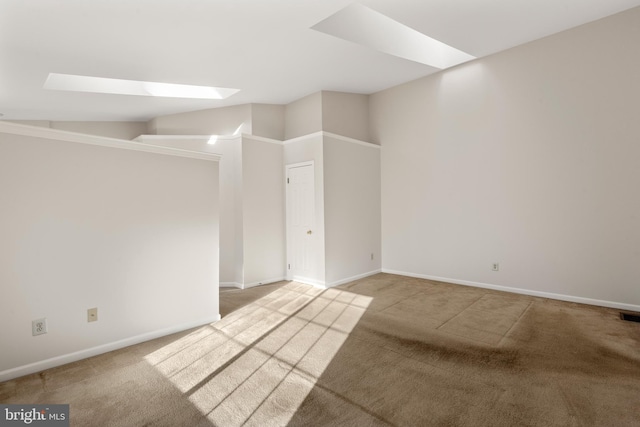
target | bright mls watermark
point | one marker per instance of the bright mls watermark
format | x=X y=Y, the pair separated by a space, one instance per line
x=34 y=415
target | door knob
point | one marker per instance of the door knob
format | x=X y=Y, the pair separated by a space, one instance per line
x=309 y=232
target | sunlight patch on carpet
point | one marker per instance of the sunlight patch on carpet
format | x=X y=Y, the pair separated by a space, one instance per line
x=259 y=363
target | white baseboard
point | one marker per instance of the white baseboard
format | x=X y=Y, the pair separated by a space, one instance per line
x=550 y=295
x=231 y=285
x=351 y=279
x=308 y=281
x=94 y=351
x=325 y=285
x=263 y=282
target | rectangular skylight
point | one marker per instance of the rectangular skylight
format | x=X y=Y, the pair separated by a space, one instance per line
x=75 y=83
x=367 y=27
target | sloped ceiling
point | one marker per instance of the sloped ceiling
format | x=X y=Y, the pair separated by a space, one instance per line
x=266 y=49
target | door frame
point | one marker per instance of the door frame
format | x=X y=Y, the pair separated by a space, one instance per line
x=289 y=274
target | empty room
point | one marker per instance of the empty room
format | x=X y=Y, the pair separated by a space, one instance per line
x=319 y=213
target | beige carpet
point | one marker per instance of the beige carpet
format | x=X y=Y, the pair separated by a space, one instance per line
x=386 y=350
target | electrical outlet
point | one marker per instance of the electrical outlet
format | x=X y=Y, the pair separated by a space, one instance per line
x=371 y=256
x=495 y=266
x=92 y=314
x=39 y=327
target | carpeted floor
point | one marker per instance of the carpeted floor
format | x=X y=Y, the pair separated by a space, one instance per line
x=385 y=350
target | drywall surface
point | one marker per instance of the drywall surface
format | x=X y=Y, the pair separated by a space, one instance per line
x=134 y=234
x=267 y=120
x=119 y=130
x=230 y=193
x=346 y=114
x=263 y=212
x=305 y=149
x=252 y=235
x=238 y=215
x=351 y=209
x=232 y=120
x=528 y=158
x=228 y=149
x=38 y=123
x=304 y=116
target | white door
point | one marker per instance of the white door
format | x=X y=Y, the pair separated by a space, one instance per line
x=301 y=237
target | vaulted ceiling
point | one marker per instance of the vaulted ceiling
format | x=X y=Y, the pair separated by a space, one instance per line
x=265 y=48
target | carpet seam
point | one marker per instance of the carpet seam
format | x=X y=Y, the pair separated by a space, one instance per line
x=461 y=311
x=515 y=323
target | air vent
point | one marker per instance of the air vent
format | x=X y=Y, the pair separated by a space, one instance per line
x=630 y=317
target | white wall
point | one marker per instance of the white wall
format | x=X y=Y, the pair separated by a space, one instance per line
x=230 y=193
x=228 y=149
x=267 y=120
x=252 y=218
x=351 y=210
x=529 y=158
x=263 y=212
x=134 y=234
x=346 y=114
x=305 y=149
x=238 y=280
x=37 y=123
x=214 y=121
x=304 y=116
x=119 y=130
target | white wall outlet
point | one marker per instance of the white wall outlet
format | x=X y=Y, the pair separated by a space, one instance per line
x=92 y=314
x=39 y=327
x=495 y=266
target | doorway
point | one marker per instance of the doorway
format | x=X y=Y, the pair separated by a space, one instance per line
x=301 y=235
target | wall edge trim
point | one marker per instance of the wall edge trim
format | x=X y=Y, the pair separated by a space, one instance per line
x=308 y=281
x=53 y=362
x=81 y=138
x=353 y=278
x=263 y=282
x=231 y=285
x=262 y=139
x=303 y=137
x=161 y=137
x=351 y=140
x=323 y=133
x=529 y=292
